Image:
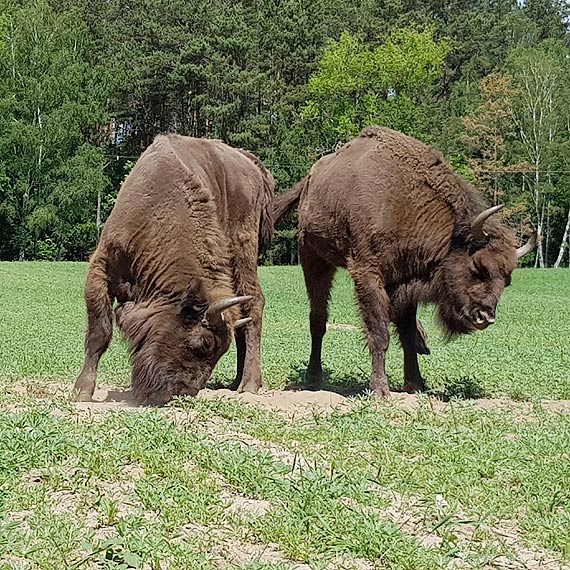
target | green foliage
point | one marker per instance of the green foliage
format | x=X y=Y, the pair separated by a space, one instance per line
x=51 y=97
x=46 y=250
x=357 y=85
x=86 y=85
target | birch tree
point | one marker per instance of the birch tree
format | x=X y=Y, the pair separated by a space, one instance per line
x=538 y=76
x=564 y=243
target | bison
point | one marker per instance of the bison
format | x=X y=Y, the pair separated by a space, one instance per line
x=409 y=230
x=179 y=254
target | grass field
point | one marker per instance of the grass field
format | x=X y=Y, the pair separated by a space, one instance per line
x=477 y=475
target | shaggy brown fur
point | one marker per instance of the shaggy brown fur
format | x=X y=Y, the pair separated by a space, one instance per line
x=185 y=233
x=390 y=210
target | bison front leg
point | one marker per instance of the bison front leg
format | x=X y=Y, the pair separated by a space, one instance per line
x=413 y=339
x=99 y=330
x=248 y=341
x=248 y=337
x=374 y=307
x=241 y=346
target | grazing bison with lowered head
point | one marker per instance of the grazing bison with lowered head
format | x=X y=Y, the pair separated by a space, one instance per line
x=179 y=255
x=409 y=230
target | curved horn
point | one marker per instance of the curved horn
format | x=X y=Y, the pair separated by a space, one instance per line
x=214 y=312
x=528 y=246
x=478 y=223
x=241 y=322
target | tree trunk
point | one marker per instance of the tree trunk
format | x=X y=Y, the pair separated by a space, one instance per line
x=98 y=221
x=547 y=234
x=12 y=51
x=539 y=260
x=25 y=198
x=564 y=243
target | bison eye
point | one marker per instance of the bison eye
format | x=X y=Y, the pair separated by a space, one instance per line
x=481 y=273
x=202 y=344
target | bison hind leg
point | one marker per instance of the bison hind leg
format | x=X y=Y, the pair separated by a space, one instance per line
x=319 y=276
x=374 y=305
x=422 y=341
x=414 y=341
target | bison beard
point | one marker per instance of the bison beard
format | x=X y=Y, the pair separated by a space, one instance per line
x=179 y=255
x=409 y=230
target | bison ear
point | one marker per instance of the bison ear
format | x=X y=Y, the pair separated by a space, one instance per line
x=193 y=305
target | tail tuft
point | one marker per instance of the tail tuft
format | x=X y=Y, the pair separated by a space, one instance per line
x=284 y=204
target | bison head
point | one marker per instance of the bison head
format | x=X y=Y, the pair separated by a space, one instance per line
x=474 y=276
x=175 y=343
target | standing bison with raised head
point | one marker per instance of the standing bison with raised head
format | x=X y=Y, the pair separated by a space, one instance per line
x=409 y=230
x=179 y=255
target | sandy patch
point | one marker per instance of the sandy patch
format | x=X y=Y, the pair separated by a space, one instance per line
x=522 y=558
x=238 y=504
x=290 y=458
x=423 y=520
x=15 y=562
x=351 y=563
x=305 y=403
x=556 y=405
x=291 y=403
x=20 y=518
x=106 y=398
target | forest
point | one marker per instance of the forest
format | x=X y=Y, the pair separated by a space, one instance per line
x=85 y=85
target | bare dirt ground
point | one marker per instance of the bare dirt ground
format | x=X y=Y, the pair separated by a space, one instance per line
x=298 y=403
x=290 y=403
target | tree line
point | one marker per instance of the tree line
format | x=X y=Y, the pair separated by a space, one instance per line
x=85 y=86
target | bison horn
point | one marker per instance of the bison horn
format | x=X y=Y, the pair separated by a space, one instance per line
x=214 y=312
x=528 y=246
x=477 y=224
x=241 y=322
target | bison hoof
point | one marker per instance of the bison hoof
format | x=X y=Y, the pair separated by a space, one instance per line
x=251 y=387
x=314 y=379
x=414 y=387
x=379 y=387
x=379 y=393
x=81 y=395
x=423 y=348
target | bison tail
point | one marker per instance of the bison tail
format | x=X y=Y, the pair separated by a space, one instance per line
x=284 y=204
x=266 y=225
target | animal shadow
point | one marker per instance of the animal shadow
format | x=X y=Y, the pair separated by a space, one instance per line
x=348 y=385
x=119 y=396
x=462 y=388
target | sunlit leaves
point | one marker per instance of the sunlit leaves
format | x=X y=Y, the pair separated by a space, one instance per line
x=358 y=84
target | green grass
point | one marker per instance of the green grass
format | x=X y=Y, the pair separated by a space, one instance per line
x=371 y=485
x=526 y=355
